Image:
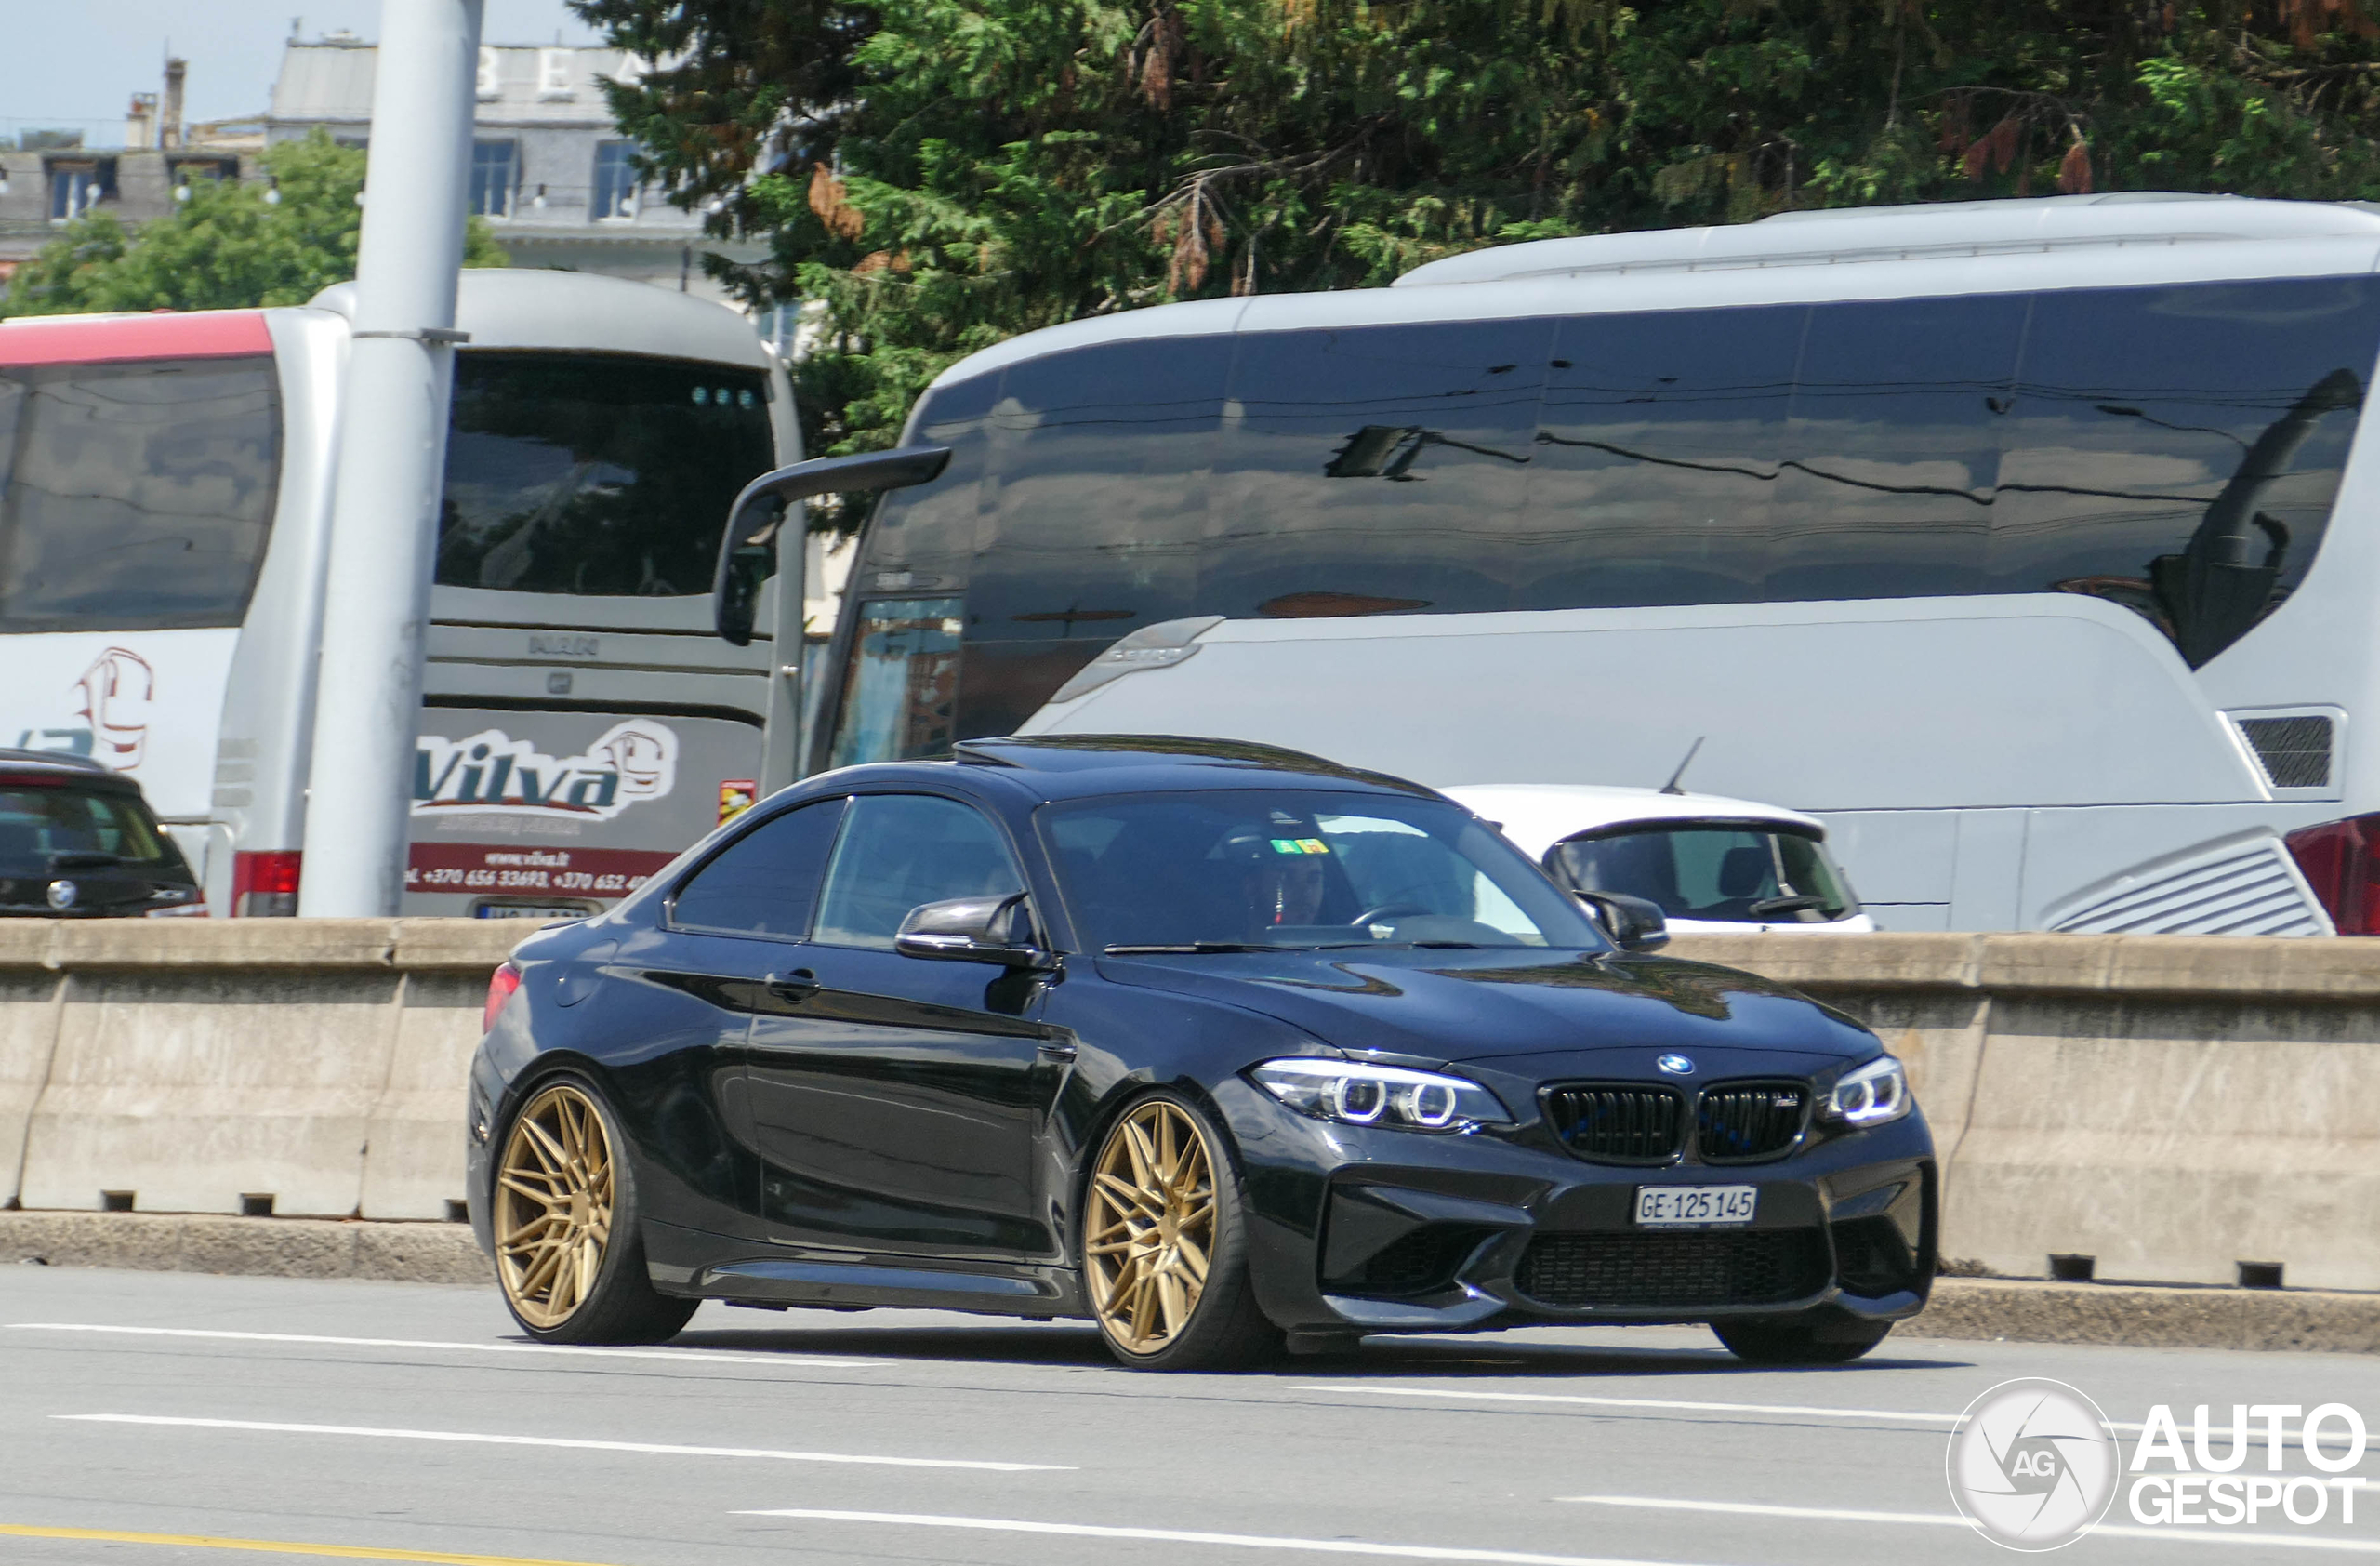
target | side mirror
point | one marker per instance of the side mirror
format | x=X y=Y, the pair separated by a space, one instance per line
x=974 y=930
x=747 y=553
x=1635 y=923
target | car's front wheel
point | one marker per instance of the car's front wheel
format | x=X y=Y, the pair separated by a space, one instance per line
x=1814 y=1339
x=1165 y=1244
x=567 y=1254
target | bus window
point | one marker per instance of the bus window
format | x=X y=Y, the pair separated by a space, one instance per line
x=596 y=474
x=2178 y=450
x=137 y=496
x=1893 y=448
x=1377 y=469
x=1100 y=458
x=1659 y=451
x=900 y=682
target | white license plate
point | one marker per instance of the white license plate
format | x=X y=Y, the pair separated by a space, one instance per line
x=1695 y=1207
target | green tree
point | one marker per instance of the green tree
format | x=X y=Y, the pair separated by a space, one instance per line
x=941 y=174
x=231 y=246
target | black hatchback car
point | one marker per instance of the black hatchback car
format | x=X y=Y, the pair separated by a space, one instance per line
x=1214 y=1044
x=77 y=842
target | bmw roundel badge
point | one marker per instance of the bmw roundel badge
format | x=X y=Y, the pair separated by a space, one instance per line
x=1676 y=1065
x=61 y=894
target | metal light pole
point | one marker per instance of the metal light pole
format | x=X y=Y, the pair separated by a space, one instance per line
x=392 y=460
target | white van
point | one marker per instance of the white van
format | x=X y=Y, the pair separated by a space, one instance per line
x=1711 y=864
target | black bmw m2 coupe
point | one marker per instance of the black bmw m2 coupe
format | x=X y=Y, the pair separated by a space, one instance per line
x=1221 y=1047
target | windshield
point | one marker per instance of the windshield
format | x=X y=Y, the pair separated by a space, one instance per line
x=1743 y=874
x=1299 y=867
x=37 y=823
x=596 y=473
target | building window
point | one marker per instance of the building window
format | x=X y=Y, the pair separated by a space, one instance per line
x=780 y=327
x=616 y=182
x=75 y=188
x=496 y=172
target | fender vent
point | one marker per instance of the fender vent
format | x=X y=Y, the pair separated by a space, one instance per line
x=2294 y=752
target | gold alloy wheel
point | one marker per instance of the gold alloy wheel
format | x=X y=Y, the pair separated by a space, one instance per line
x=553 y=1206
x=1152 y=1227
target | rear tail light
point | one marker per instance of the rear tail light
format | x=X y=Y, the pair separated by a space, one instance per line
x=500 y=986
x=2337 y=860
x=265 y=886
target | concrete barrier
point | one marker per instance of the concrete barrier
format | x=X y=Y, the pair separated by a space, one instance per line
x=201 y=1066
x=2169 y=1105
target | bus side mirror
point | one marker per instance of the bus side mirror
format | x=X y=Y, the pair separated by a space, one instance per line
x=747 y=550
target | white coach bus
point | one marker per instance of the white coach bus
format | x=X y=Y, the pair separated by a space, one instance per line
x=165 y=493
x=2032 y=545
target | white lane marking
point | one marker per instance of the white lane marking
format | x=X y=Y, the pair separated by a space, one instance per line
x=1799 y=1410
x=683 y=1356
x=475 y=1438
x=2183 y=1535
x=1189 y=1536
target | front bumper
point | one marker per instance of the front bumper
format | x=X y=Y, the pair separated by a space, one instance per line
x=1359 y=1230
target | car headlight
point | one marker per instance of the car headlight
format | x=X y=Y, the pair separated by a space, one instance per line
x=1868 y=1094
x=1355 y=1094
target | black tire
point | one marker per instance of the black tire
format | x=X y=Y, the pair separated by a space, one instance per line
x=1810 y=1340
x=1223 y=1329
x=619 y=1303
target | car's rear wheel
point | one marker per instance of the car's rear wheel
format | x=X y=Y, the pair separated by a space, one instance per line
x=1800 y=1340
x=567 y=1254
x=1165 y=1244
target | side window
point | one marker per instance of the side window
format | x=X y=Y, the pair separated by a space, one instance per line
x=902 y=850
x=139 y=495
x=765 y=883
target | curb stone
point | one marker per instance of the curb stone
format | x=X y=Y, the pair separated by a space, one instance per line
x=2020 y=1310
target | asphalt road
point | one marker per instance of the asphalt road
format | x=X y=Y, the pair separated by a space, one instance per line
x=140 y=1413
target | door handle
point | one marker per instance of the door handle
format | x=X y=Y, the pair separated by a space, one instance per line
x=798 y=985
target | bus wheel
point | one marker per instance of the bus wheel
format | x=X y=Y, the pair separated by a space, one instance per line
x=567 y=1254
x=1165 y=1244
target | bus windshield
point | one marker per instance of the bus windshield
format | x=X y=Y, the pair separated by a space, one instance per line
x=596 y=474
x=1298 y=868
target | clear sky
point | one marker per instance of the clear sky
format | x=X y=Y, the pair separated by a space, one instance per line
x=74 y=64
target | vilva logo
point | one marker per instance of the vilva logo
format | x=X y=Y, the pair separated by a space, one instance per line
x=2033 y=1464
x=633 y=760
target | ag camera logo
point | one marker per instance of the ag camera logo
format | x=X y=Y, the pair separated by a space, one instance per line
x=2033 y=1464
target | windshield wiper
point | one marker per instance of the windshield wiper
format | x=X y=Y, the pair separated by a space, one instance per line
x=1767 y=906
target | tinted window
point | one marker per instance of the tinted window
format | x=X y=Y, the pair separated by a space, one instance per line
x=1712 y=872
x=1893 y=448
x=135 y=495
x=596 y=473
x=903 y=850
x=1661 y=440
x=900 y=680
x=37 y=823
x=765 y=883
x=1373 y=470
x=2178 y=450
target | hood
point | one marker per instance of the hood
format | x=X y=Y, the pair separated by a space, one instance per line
x=1479 y=1006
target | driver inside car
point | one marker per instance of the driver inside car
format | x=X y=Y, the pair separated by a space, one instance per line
x=1282 y=875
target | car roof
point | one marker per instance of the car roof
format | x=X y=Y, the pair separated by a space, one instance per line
x=1537 y=816
x=59 y=766
x=1052 y=767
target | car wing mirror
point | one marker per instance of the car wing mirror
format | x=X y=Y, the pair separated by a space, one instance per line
x=747 y=551
x=1634 y=923
x=974 y=930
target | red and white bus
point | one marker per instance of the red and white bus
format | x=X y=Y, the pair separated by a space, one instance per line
x=164 y=516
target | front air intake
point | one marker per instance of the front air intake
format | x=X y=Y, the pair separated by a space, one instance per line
x=1618 y=1125
x=1743 y=1122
